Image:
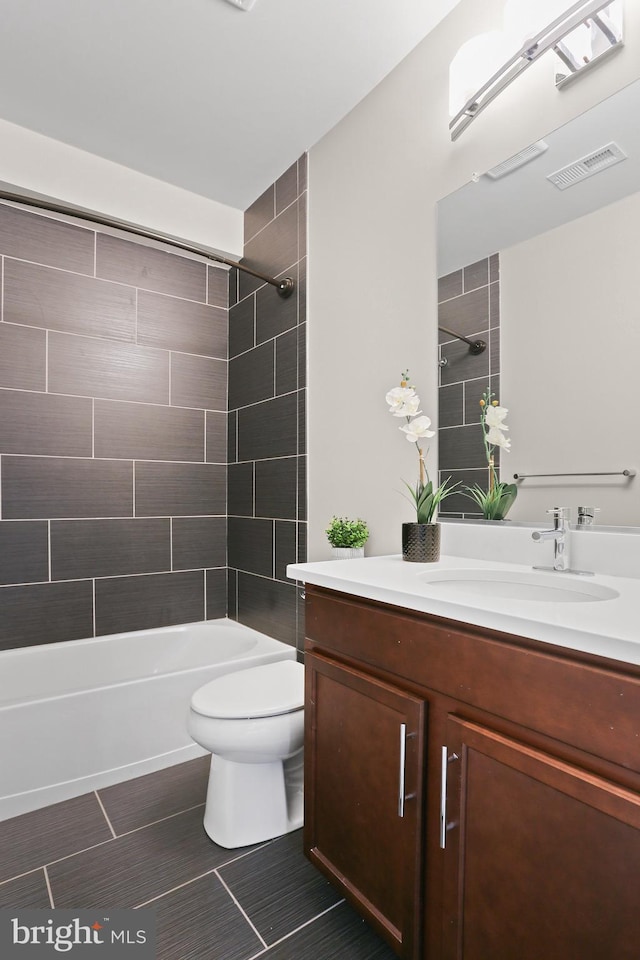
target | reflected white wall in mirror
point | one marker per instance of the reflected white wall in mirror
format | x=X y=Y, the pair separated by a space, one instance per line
x=570 y=311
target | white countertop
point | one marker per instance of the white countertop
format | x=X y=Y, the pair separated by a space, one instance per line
x=608 y=628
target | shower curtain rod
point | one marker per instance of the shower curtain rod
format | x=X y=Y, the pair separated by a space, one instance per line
x=475 y=346
x=284 y=287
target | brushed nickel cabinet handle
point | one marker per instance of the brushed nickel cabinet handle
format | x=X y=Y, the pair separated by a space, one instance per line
x=403 y=757
x=444 y=826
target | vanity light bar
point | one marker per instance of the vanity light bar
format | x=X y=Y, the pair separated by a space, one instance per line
x=532 y=50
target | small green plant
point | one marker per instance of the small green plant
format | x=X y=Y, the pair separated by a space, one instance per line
x=495 y=502
x=342 y=532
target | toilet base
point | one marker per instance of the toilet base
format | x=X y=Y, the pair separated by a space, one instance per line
x=253 y=802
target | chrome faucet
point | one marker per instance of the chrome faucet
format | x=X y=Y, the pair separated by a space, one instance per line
x=559 y=535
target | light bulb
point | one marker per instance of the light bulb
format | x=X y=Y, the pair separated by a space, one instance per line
x=475 y=62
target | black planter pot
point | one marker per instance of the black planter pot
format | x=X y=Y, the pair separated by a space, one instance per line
x=421 y=542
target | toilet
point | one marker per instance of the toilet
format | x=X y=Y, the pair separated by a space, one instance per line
x=252 y=721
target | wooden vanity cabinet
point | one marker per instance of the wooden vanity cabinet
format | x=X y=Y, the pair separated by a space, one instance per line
x=522 y=841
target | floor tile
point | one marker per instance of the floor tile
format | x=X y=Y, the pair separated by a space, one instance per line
x=138 y=866
x=339 y=934
x=28 y=891
x=144 y=800
x=278 y=888
x=201 y=920
x=36 y=838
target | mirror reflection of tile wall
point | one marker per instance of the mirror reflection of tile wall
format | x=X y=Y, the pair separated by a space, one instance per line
x=469 y=303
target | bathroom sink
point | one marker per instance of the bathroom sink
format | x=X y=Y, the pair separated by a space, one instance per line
x=554 y=587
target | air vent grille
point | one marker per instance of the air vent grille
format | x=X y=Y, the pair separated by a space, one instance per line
x=587 y=166
x=517 y=160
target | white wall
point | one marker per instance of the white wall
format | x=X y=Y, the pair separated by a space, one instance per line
x=569 y=310
x=41 y=165
x=374 y=182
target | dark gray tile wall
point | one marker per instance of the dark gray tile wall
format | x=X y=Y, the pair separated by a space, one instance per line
x=267 y=381
x=469 y=304
x=113 y=433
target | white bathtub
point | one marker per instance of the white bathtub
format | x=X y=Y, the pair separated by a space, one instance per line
x=84 y=714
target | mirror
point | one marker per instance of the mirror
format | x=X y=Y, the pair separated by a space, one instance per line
x=541 y=258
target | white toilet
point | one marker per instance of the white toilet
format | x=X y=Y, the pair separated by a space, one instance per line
x=252 y=721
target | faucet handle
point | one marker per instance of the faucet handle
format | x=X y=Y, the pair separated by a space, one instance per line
x=562 y=513
x=587 y=516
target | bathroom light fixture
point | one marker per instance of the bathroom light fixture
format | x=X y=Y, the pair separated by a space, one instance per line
x=580 y=34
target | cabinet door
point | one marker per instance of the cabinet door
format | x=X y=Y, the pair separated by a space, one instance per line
x=364 y=744
x=542 y=858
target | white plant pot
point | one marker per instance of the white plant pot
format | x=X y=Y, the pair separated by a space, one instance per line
x=346 y=553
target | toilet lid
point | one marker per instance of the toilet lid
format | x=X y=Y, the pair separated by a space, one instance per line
x=265 y=691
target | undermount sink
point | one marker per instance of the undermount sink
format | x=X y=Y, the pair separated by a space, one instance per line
x=507 y=585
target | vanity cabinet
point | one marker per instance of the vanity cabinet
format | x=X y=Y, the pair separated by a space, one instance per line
x=521 y=829
x=364 y=752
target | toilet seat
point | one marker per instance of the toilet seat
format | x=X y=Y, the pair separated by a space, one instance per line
x=265 y=691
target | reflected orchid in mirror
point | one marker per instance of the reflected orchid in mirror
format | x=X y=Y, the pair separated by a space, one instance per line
x=404 y=402
x=496 y=501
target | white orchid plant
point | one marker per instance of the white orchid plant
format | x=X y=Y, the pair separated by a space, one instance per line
x=495 y=502
x=404 y=402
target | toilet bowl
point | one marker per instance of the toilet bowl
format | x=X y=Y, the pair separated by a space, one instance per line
x=252 y=721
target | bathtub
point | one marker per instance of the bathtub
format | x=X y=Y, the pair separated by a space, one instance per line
x=84 y=714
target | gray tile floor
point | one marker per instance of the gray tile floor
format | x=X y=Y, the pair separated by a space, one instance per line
x=141 y=843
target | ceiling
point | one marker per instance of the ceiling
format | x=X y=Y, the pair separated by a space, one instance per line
x=198 y=93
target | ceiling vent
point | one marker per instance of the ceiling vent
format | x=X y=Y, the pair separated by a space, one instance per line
x=517 y=160
x=599 y=160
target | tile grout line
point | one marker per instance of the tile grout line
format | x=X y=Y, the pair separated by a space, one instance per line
x=287 y=936
x=243 y=912
x=49 y=890
x=109 y=824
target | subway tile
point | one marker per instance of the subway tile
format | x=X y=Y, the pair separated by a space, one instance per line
x=462 y=365
x=302 y=355
x=458 y=502
x=147 y=799
x=24 y=551
x=51 y=487
x=450 y=405
x=128 y=262
x=201 y=920
x=275 y=248
x=494 y=267
x=260 y=213
x=251 y=376
x=302 y=290
x=250 y=545
x=494 y=304
x=275 y=314
x=302 y=488
x=232 y=594
x=286 y=188
x=216 y=593
x=180 y=489
x=476 y=275
x=466 y=314
x=461 y=447
x=247 y=284
x=107 y=548
x=152 y=600
x=286 y=547
x=173 y=324
x=494 y=351
x=198 y=542
x=268 y=606
x=218 y=286
x=23 y=357
x=450 y=286
x=268 y=429
x=276 y=488
x=216 y=437
x=232 y=436
x=114 y=371
x=279 y=889
x=240 y=489
x=43 y=297
x=45 y=613
x=141 y=431
x=138 y=866
x=45 y=835
x=29 y=891
x=242 y=322
x=302 y=172
x=44 y=424
x=302 y=543
x=302 y=226
x=198 y=382
x=29 y=236
x=302 y=420
x=473 y=392
x=233 y=286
